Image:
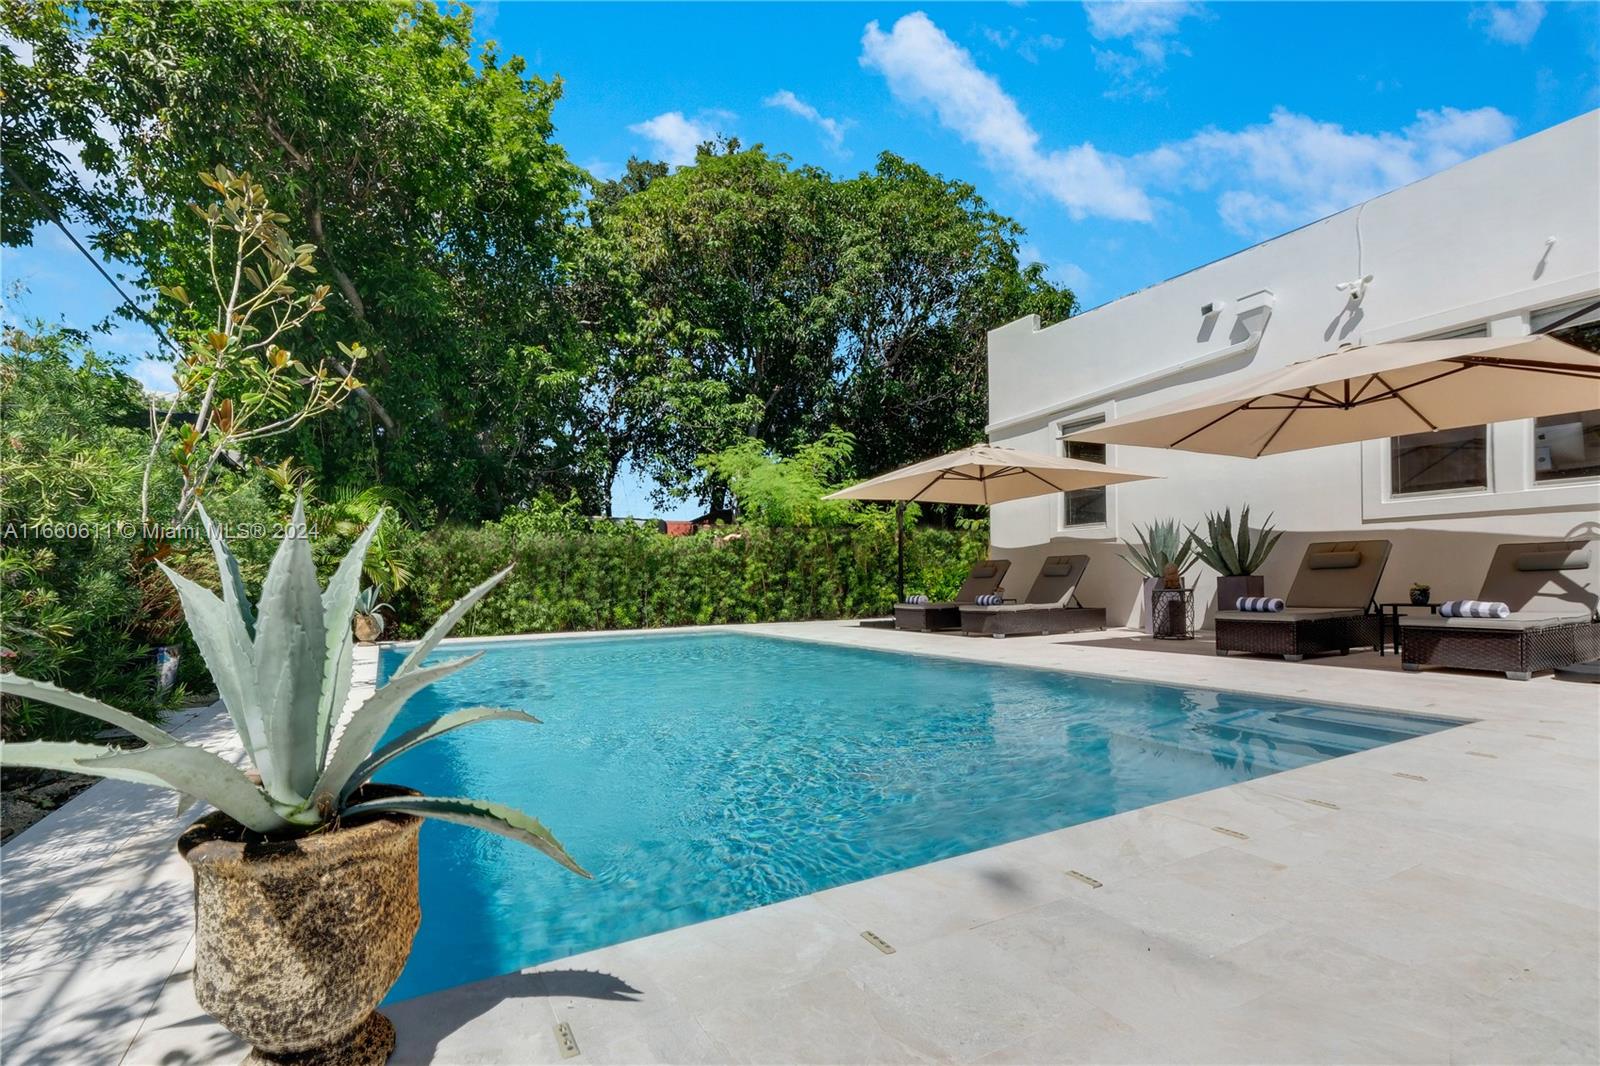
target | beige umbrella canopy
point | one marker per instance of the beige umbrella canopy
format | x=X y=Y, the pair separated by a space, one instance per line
x=1380 y=390
x=986 y=473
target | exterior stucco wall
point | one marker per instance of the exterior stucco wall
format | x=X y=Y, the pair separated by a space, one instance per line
x=1465 y=248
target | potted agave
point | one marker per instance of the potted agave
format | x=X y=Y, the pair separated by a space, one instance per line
x=306 y=873
x=1236 y=556
x=1163 y=553
x=369 y=620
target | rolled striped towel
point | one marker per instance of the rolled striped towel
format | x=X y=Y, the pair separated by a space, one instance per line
x=1474 y=609
x=1259 y=603
x=988 y=599
x=916 y=599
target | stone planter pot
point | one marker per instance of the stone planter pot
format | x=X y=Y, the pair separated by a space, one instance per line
x=369 y=628
x=297 y=941
x=1231 y=587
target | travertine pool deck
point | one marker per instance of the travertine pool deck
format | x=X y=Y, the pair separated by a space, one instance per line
x=1429 y=901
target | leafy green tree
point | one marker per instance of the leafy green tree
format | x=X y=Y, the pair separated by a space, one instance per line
x=787 y=490
x=742 y=297
x=424 y=172
x=925 y=270
x=73 y=436
x=237 y=383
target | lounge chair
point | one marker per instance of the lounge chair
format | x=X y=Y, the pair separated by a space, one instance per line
x=1329 y=606
x=1051 y=607
x=983 y=579
x=1553 y=592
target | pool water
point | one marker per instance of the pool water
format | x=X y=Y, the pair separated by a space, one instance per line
x=699 y=775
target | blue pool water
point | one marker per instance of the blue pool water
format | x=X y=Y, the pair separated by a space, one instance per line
x=699 y=775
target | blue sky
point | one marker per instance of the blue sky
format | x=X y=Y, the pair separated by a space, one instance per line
x=1133 y=140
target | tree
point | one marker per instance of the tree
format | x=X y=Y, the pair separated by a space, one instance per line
x=237 y=381
x=925 y=271
x=787 y=490
x=742 y=297
x=426 y=175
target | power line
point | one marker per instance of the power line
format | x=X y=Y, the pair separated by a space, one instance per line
x=143 y=315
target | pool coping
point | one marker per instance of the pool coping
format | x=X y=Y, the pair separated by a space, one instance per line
x=1463 y=924
x=764 y=631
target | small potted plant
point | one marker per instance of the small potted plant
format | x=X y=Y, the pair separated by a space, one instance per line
x=369 y=620
x=1236 y=555
x=1161 y=545
x=1420 y=593
x=306 y=874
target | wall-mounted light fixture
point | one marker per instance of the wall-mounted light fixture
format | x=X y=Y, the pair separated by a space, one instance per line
x=1356 y=289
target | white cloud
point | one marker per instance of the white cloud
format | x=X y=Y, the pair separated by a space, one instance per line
x=603 y=169
x=154 y=374
x=925 y=67
x=1027 y=47
x=1149 y=30
x=1294 y=169
x=675 y=137
x=1071 y=275
x=1513 y=23
x=832 y=128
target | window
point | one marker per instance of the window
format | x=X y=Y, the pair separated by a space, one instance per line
x=1566 y=446
x=1083 y=507
x=1449 y=460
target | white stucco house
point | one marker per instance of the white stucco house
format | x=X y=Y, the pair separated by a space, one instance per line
x=1503 y=244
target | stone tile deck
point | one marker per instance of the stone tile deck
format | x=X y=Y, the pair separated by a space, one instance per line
x=1429 y=901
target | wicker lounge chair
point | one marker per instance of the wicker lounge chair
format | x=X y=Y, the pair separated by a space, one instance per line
x=1329 y=606
x=1051 y=606
x=1553 y=592
x=983 y=578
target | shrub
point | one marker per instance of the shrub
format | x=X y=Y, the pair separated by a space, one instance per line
x=637 y=579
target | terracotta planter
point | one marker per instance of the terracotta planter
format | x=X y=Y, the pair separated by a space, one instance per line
x=296 y=942
x=368 y=628
x=1230 y=587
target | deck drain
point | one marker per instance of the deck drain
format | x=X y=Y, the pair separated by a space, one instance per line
x=1229 y=832
x=1085 y=878
x=1410 y=777
x=1483 y=755
x=1323 y=803
x=877 y=941
x=569 y=1046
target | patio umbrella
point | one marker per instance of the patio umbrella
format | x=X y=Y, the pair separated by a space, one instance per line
x=982 y=474
x=1378 y=390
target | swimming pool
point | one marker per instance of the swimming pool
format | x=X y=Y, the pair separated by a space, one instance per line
x=696 y=775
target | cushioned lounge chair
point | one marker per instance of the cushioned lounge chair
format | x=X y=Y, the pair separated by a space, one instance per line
x=1330 y=606
x=983 y=579
x=1051 y=606
x=1553 y=592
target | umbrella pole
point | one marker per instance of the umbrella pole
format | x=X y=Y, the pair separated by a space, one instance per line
x=900 y=551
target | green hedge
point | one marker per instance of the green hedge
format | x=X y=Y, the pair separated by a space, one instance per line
x=629 y=580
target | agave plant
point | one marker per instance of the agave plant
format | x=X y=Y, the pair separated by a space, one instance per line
x=1162 y=544
x=1230 y=553
x=368 y=606
x=283 y=669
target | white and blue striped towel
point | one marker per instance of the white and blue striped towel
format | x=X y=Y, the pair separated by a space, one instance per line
x=916 y=599
x=1259 y=603
x=988 y=599
x=1474 y=609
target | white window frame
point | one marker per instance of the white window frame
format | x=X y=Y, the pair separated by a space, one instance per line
x=1510 y=453
x=1083 y=419
x=1532 y=427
